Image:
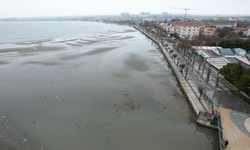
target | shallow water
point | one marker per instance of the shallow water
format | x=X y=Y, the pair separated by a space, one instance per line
x=110 y=89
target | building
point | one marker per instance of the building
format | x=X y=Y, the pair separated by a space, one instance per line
x=164 y=13
x=223 y=23
x=208 y=30
x=246 y=31
x=175 y=19
x=219 y=57
x=189 y=28
x=170 y=27
x=239 y=51
x=142 y=14
x=228 y=18
x=125 y=14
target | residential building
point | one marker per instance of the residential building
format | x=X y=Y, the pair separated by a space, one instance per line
x=164 y=13
x=223 y=23
x=170 y=27
x=125 y=14
x=246 y=31
x=228 y=18
x=189 y=28
x=142 y=14
x=208 y=29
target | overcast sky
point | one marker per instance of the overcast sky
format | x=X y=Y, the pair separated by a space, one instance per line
x=44 y=8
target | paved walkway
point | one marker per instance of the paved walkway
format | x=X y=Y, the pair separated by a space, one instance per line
x=235 y=129
x=189 y=86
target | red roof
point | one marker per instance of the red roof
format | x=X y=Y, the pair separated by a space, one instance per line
x=239 y=28
x=175 y=19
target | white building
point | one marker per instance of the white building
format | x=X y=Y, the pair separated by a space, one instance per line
x=246 y=31
x=170 y=27
x=189 y=29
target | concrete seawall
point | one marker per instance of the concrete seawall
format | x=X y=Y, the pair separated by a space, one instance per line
x=188 y=87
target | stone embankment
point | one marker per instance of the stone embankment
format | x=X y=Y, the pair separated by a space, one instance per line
x=202 y=108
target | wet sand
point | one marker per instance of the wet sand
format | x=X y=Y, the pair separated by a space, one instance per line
x=111 y=90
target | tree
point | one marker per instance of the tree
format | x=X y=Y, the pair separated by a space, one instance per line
x=227 y=33
x=199 y=64
x=184 y=45
x=204 y=64
x=235 y=43
x=243 y=83
x=200 y=89
x=238 y=76
x=232 y=71
x=174 y=56
x=182 y=66
x=186 y=71
x=208 y=72
x=240 y=34
x=217 y=79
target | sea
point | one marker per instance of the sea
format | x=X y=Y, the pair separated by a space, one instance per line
x=91 y=86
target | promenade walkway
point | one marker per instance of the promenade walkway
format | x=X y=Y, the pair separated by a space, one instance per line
x=189 y=86
x=235 y=113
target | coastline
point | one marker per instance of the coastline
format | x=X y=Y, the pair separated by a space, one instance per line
x=196 y=104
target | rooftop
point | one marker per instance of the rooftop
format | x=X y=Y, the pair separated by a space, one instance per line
x=221 y=21
x=189 y=23
x=175 y=19
x=239 y=28
x=213 y=55
x=217 y=62
x=226 y=51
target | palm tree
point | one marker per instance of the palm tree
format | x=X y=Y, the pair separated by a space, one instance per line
x=186 y=71
x=204 y=63
x=171 y=51
x=178 y=61
x=174 y=56
x=208 y=72
x=193 y=61
x=199 y=64
x=217 y=80
x=200 y=89
x=182 y=66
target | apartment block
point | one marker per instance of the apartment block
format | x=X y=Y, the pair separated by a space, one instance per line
x=190 y=28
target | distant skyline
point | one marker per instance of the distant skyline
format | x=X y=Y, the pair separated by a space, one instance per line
x=49 y=8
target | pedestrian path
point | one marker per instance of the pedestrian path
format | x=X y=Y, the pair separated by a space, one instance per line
x=189 y=86
x=235 y=113
x=235 y=128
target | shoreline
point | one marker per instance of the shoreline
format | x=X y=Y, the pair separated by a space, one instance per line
x=190 y=94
